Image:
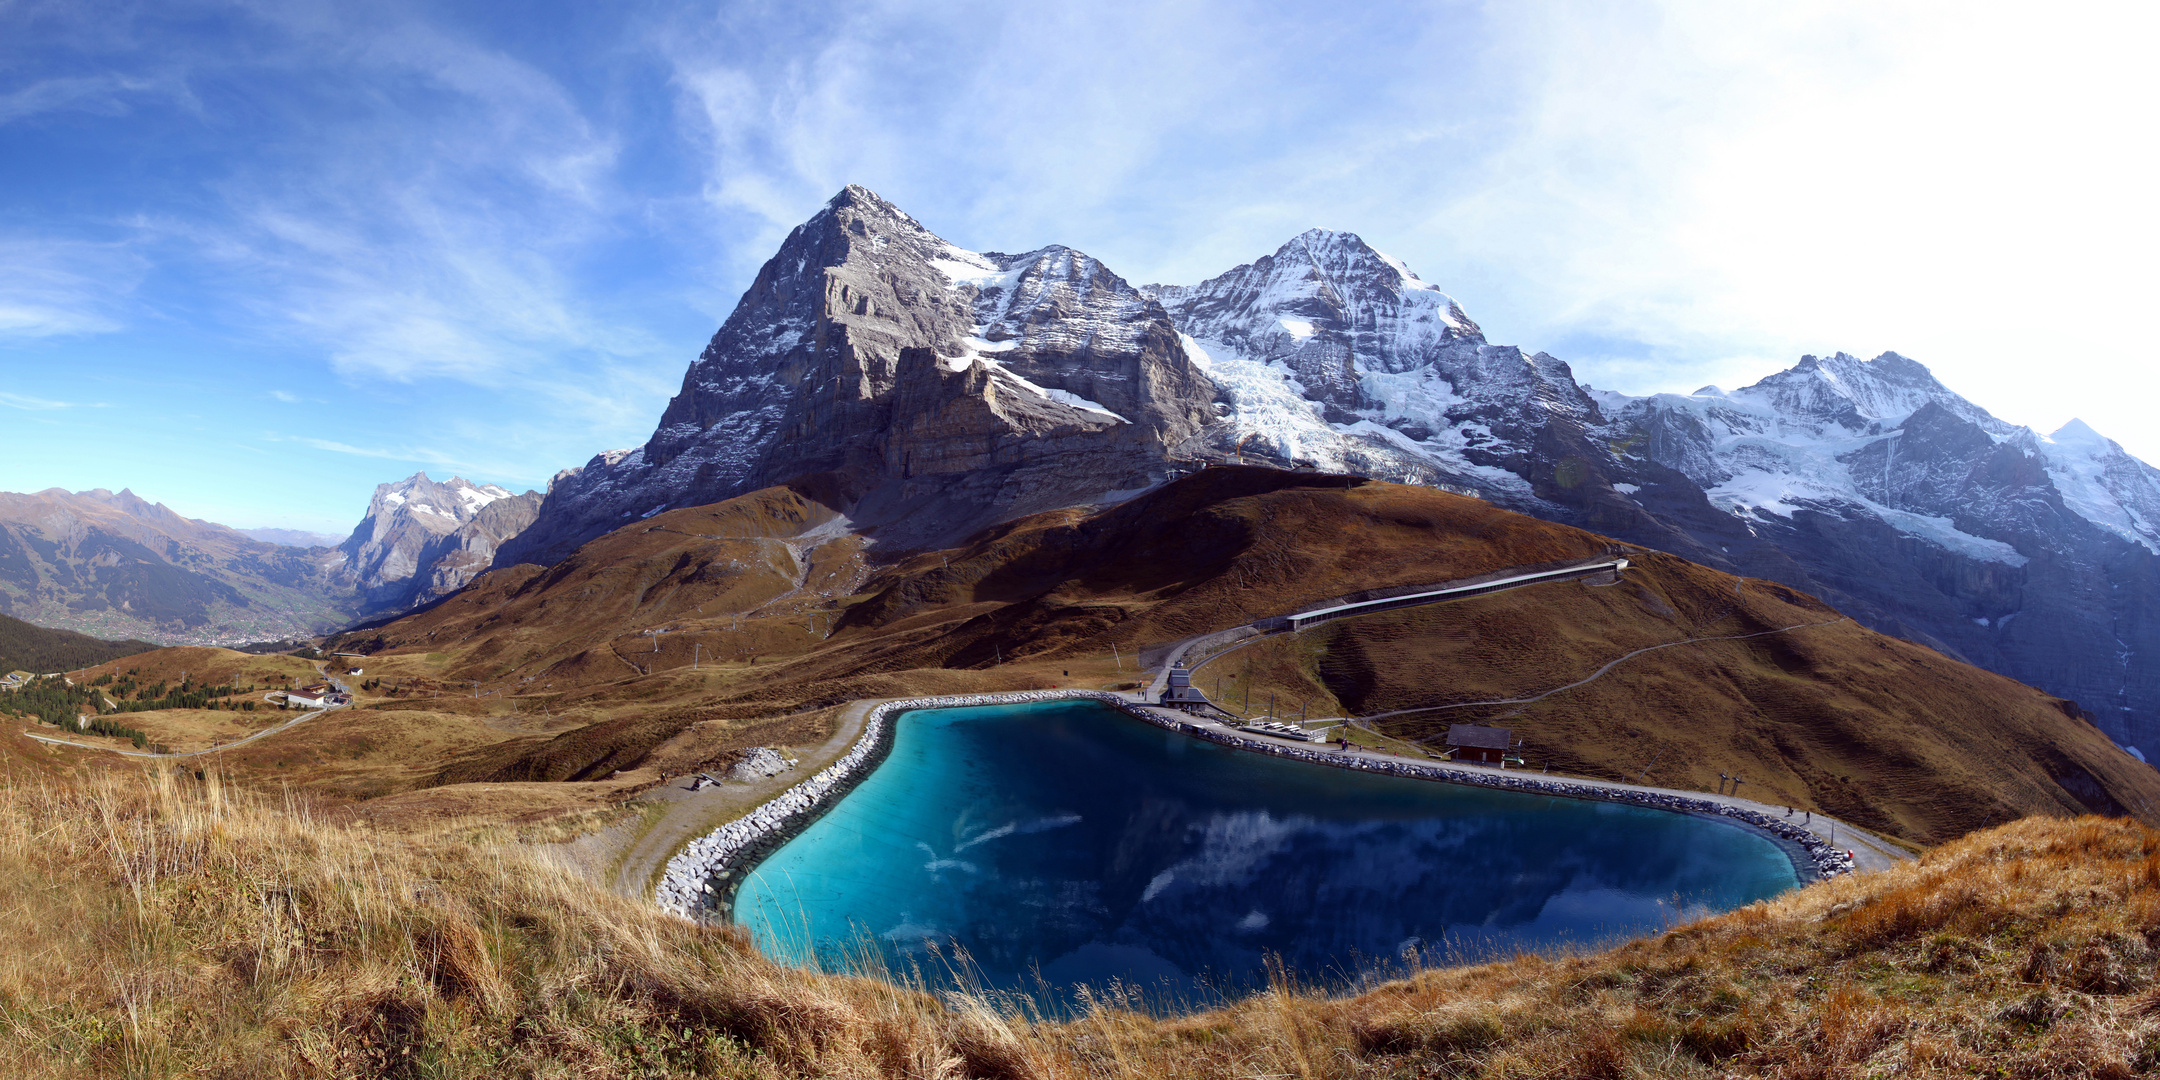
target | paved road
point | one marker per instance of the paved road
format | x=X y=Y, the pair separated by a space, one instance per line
x=1869 y=852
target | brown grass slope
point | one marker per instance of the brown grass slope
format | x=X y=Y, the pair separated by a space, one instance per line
x=576 y=622
x=161 y=928
x=1825 y=717
x=1834 y=718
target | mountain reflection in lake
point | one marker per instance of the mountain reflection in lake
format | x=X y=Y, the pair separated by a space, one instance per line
x=1068 y=842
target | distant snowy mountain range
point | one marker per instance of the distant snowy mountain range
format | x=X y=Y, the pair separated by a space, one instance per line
x=118 y=566
x=931 y=390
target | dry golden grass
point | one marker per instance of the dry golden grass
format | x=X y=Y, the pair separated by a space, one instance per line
x=163 y=927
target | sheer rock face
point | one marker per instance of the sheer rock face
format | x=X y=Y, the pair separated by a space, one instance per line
x=422 y=539
x=933 y=390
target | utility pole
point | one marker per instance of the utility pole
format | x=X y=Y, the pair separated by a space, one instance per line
x=694 y=647
x=1653 y=764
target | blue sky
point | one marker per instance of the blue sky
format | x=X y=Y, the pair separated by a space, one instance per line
x=256 y=259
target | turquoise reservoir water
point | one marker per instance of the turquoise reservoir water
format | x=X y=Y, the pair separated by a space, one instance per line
x=1070 y=843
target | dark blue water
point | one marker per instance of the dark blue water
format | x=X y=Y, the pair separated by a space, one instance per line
x=1067 y=843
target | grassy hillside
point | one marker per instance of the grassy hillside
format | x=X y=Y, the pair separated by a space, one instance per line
x=1829 y=715
x=163 y=927
x=35 y=648
x=769 y=613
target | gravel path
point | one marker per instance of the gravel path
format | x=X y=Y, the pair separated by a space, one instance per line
x=691 y=814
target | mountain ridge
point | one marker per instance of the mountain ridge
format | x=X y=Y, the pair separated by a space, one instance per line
x=1867 y=482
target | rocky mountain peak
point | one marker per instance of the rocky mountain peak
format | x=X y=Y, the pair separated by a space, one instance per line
x=1326 y=306
x=396 y=555
x=909 y=372
x=445 y=505
x=1860 y=395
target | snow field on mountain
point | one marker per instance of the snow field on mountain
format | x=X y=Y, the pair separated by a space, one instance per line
x=2103 y=484
x=1769 y=461
x=1269 y=403
x=1266 y=402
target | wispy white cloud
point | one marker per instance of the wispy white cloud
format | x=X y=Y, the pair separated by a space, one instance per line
x=54 y=287
x=27 y=403
x=501 y=247
x=1713 y=188
x=108 y=95
x=412 y=455
x=1014 y=125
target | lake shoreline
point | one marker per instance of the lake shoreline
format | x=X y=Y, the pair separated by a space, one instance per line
x=700 y=882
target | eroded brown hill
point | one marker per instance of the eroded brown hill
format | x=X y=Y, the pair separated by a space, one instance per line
x=770 y=609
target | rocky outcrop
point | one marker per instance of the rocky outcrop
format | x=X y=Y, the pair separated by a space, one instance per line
x=937 y=389
x=759 y=762
x=421 y=539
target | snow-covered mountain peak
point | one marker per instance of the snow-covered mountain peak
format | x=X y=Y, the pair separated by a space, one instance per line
x=872 y=351
x=1863 y=395
x=421 y=536
x=2078 y=433
x=450 y=503
x=2103 y=484
x=1326 y=310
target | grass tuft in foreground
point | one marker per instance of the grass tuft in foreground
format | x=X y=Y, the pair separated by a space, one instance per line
x=163 y=927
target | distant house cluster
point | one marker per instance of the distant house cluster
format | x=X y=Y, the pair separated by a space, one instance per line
x=15 y=680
